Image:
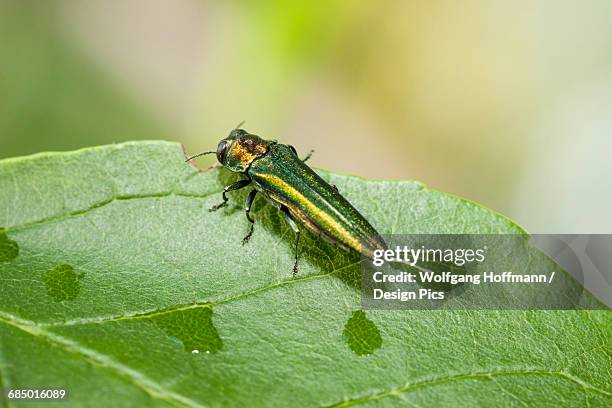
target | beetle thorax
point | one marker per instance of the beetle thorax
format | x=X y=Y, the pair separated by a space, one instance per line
x=244 y=150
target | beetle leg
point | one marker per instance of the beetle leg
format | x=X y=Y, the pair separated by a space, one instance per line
x=247 y=210
x=308 y=156
x=235 y=186
x=335 y=188
x=296 y=230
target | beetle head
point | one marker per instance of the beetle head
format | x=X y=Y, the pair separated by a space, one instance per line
x=240 y=149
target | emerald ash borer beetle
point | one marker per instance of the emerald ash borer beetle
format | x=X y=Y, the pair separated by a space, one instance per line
x=286 y=181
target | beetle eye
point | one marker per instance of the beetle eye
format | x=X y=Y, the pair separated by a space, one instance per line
x=221 y=150
x=293 y=150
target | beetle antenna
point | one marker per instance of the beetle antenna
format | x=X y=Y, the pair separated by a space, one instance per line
x=240 y=124
x=190 y=158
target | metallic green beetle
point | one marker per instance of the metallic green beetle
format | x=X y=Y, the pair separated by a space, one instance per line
x=277 y=173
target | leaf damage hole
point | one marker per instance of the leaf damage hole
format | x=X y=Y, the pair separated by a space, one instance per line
x=362 y=335
x=193 y=327
x=9 y=249
x=62 y=282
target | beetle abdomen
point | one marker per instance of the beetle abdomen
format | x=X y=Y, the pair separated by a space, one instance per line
x=283 y=178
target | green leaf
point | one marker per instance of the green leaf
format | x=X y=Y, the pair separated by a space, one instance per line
x=118 y=283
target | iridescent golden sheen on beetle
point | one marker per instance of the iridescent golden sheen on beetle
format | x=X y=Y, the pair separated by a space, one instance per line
x=278 y=174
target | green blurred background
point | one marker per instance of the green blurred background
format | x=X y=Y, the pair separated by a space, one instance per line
x=506 y=103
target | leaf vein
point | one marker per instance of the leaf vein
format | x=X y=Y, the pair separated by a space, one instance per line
x=175 y=308
x=430 y=382
x=100 y=204
x=148 y=385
